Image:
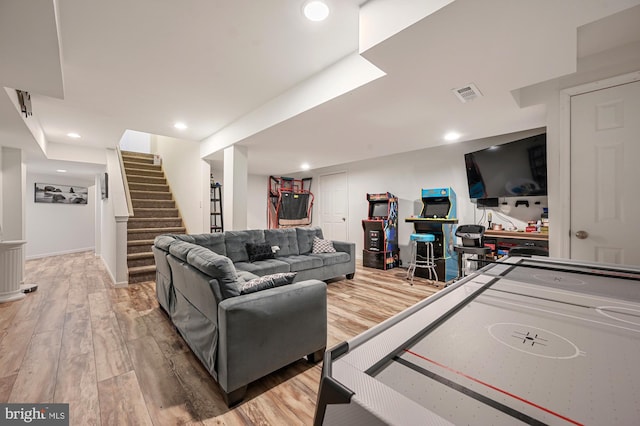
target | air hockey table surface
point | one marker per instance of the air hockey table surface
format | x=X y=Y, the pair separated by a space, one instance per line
x=523 y=341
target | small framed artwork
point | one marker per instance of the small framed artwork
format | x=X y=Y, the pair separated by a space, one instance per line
x=60 y=194
x=104 y=185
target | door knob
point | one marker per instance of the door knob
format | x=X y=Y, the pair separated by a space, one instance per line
x=581 y=235
x=344 y=218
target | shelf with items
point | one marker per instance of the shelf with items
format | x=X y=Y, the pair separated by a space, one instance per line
x=501 y=242
x=215 y=197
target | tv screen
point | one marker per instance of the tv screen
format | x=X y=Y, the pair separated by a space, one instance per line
x=514 y=169
x=380 y=209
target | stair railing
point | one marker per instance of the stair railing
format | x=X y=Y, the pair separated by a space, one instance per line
x=126 y=183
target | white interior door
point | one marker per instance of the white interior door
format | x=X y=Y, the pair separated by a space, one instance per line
x=605 y=175
x=333 y=202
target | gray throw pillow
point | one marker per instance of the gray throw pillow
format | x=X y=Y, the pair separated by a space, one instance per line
x=267 y=281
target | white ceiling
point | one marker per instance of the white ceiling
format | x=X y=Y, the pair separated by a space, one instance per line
x=258 y=70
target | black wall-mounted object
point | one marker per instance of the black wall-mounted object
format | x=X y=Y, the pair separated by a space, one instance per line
x=514 y=169
x=522 y=202
x=24 y=98
x=487 y=202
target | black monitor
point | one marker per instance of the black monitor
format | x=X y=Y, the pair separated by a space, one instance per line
x=379 y=209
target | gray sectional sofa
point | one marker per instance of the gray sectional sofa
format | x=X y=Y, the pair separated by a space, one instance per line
x=201 y=282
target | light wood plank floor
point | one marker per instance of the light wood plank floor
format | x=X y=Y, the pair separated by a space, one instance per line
x=113 y=355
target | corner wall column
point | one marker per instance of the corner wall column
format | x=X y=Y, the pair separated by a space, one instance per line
x=13 y=193
x=235 y=187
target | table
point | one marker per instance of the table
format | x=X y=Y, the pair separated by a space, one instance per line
x=521 y=341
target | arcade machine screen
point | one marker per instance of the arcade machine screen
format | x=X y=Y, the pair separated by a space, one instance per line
x=379 y=210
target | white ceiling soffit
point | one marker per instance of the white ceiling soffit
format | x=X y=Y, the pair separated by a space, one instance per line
x=34 y=24
x=412 y=107
x=347 y=74
x=381 y=19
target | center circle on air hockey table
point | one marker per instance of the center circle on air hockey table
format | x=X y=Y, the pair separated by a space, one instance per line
x=608 y=311
x=533 y=340
x=558 y=279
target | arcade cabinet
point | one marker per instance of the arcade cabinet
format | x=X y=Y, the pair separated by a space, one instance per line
x=381 y=232
x=290 y=202
x=438 y=217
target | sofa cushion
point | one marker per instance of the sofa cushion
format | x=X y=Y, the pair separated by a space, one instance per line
x=333 y=258
x=263 y=267
x=305 y=238
x=215 y=266
x=163 y=242
x=302 y=263
x=259 y=251
x=235 y=243
x=180 y=249
x=214 y=242
x=286 y=239
x=322 y=246
x=268 y=281
x=245 y=276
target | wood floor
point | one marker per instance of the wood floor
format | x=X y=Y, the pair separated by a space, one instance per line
x=112 y=354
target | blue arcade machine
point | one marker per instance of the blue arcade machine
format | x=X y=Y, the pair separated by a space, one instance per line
x=438 y=217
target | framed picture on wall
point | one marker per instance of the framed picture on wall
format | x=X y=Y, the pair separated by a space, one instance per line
x=60 y=194
x=104 y=185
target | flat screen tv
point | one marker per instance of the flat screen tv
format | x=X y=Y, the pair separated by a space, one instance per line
x=514 y=169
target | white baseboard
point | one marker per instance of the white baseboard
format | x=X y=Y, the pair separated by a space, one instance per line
x=59 y=253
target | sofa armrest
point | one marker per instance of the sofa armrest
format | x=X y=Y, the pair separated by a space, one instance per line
x=345 y=246
x=264 y=331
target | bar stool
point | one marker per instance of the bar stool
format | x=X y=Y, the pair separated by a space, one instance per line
x=417 y=261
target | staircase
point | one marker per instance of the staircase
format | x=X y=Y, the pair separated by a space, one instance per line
x=154 y=213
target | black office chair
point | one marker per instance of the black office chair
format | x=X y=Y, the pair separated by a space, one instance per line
x=526 y=251
x=472 y=237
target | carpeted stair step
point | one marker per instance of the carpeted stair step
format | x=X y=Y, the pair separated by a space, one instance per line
x=139 y=246
x=146 y=179
x=151 y=204
x=140 y=274
x=154 y=222
x=140 y=259
x=140 y=166
x=142 y=172
x=142 y=157
x=151 y=233
x=136 y=186
x=151 y=195
x=154 y=212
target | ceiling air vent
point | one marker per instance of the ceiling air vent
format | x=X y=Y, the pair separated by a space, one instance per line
x=467 y=93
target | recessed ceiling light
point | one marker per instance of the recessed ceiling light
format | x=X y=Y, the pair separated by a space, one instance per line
x=61 y=171
x=180 y=125
x=316 y=10
x=305 y=166
x=452 y=136
x=73 y=135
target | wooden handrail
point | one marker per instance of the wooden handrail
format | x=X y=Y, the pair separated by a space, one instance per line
x=126 y=183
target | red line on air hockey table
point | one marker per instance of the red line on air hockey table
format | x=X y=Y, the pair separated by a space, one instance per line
x=460 y=373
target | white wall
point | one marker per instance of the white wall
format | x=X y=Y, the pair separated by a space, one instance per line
x=13 y=193
x=257 y=201
x=405 y=175
x=54 y=229
x=187 y=175
x=136 y=142
x=1 y=197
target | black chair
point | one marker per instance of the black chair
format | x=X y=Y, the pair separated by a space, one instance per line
x=527 y=251
x=472 y=237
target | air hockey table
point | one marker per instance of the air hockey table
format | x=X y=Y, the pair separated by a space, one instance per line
x=521 y=341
